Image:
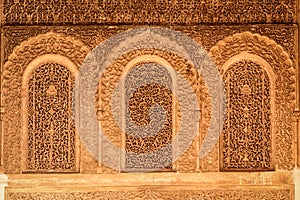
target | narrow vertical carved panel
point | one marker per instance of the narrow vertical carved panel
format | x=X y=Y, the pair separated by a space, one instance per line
x=148 y=118
x=51 y=129
x=246 y=141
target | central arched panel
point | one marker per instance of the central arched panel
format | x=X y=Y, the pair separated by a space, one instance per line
x=148 y=117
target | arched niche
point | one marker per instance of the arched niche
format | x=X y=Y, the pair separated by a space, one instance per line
x=148 y=115
x=111 y=99
x=49 y=141
x=65 y=49
x=246 y=143
x=280 y=69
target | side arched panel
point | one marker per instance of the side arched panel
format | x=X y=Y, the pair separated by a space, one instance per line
x=42 y=49
x=49 y=139
x=271 y=57
x=246 y=141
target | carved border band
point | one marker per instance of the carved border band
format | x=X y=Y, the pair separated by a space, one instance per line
x=148 y=12
x=169 y=192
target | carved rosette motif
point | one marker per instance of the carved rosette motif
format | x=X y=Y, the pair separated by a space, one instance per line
x=50 y=43
x=284 y=89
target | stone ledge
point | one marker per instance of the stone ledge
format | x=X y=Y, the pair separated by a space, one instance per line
x=150 y=179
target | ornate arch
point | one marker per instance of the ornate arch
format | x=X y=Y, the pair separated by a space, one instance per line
x=14 y=68
x=58 y=80
x=188 y=162
x=268 y=51
x=164 y=73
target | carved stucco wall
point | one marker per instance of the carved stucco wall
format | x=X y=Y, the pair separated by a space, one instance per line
x=271 y=47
